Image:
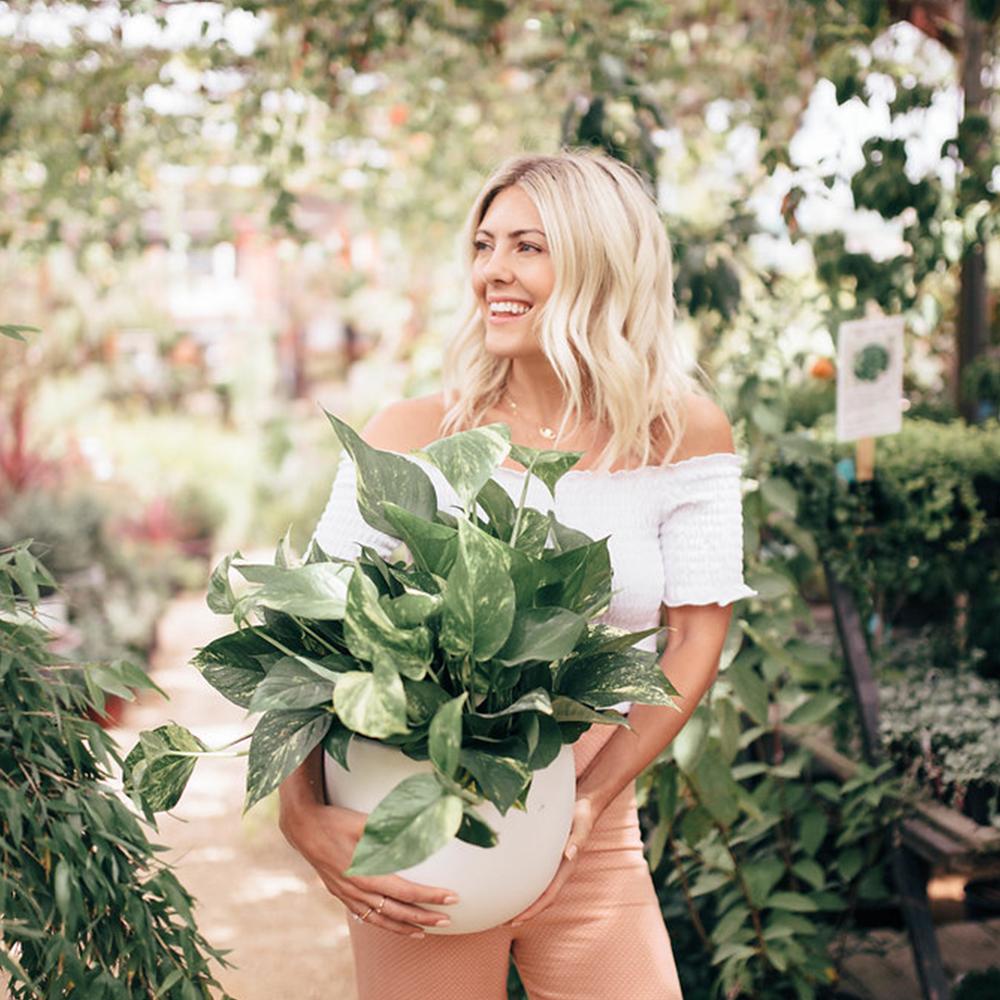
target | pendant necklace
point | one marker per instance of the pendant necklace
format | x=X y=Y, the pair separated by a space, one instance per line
x=546 y=432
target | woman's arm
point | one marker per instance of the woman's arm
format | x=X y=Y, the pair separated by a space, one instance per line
x=691 y=663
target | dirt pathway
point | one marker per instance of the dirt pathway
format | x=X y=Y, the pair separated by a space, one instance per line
x=286 y=936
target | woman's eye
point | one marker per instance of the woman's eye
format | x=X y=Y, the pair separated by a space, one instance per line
x=529 y=246
x=479 y=245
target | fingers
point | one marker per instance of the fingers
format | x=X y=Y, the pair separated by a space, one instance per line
x=369 y=915
x=410 y=892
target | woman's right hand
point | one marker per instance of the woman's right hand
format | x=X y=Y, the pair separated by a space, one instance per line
x=326 y=837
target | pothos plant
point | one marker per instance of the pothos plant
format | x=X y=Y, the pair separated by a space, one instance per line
x=480 y=652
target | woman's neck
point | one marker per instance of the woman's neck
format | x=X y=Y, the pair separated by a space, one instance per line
x=534 y=388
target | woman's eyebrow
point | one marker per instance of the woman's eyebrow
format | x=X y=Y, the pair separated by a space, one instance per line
x=514 y=234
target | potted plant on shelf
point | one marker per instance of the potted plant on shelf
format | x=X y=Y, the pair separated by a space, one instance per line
x=445 y=688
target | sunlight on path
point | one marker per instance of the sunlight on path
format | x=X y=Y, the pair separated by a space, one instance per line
x=285 y=934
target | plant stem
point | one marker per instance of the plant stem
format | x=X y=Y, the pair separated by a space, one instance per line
x=688 y=898
x=305 y=628
x=522 y=500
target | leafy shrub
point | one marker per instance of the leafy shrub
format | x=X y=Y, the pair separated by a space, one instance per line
x=924 y=530
x=953 y=754
x=115 y=587
x=85 y=909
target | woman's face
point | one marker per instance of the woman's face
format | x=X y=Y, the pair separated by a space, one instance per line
x=512 y=273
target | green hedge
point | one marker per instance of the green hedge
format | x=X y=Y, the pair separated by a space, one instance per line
x=925 y=530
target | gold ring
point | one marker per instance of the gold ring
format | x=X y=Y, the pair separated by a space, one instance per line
x=364 y=916
x=378 y=909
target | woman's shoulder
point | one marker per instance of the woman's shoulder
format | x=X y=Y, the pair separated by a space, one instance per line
x=706 y=429
x=406 y=424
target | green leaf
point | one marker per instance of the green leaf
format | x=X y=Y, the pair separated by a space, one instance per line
x=221 y=598
x=545 y=634
x=717 y=791
x=231 y=666
x=318 y=590
x=62 y=882
x=761 y=876
x=610 y=639
x=749 y=688
x=579 y=579
x=730 y=923
x=432 y=545
x=783 y=924
x=780 y=494
x=502 y=778
x=16 y=331
x=809 y=871
x=290 y=684
x=709 y=881
x=478 y=608
x=567 y=538
x=476 y=831
x=813 y=709
x=469 y=458
x=548 y=465
x=337 y=741
x=444 y=739
x=812 y=831
x=281 y=741
x=604 y=680
x=499 y=508
x=689 y=744
x=24 y=575
x=423 y=699
x=416 y=819
x=534 y=701
x=570 y=710
x=793 y=901
x=372 y=704
x=383 y=476
x=546 y=741
x=533 y=534
x=163 y=778
x=371 y=635
x=411 y=609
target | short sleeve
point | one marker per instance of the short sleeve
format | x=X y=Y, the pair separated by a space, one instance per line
x=342 y=530
x=701 y=532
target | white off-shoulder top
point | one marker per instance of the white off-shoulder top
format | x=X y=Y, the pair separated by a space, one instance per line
x=676 y=531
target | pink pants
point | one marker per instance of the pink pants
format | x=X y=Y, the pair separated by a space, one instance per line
x=602 y=938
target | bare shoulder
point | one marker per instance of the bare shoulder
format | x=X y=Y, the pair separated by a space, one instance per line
x=406 y=424
x=706 y=431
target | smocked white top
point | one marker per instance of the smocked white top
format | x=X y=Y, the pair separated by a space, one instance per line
x=676 y=531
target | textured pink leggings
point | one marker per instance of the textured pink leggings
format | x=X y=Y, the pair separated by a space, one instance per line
x=601 y=939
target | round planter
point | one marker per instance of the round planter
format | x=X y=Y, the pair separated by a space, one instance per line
x=493 y=884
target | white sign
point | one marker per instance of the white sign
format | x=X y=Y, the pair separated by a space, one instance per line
x=870 y=378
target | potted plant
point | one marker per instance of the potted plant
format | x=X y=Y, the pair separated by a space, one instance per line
x=445 y=688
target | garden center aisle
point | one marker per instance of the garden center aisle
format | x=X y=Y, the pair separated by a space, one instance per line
x=287 y=937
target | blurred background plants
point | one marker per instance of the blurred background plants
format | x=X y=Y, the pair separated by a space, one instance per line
x=225 y=214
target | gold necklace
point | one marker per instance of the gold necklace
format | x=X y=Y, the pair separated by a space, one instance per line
x=546 y=432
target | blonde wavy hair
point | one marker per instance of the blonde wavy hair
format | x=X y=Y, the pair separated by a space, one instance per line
x=607 y=327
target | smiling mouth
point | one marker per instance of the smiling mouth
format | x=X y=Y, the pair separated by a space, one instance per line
x=507 y=311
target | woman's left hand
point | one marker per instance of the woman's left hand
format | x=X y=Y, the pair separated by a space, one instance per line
x=584 y=817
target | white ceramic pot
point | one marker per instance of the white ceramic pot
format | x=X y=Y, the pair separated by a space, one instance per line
x=493 y=884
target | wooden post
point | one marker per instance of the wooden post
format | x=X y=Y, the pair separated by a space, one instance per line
x=864 y=459
x=908 y=871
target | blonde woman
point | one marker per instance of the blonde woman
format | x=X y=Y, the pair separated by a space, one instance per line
x=568 y=339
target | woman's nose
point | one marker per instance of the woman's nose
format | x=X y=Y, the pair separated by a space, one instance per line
x=497 y=268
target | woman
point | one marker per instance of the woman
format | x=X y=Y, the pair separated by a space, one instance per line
x=568 y=339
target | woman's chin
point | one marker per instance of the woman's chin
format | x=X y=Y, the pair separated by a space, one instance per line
x=510 y=344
